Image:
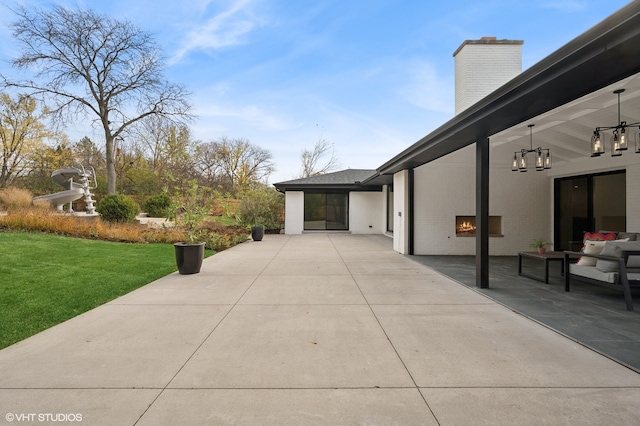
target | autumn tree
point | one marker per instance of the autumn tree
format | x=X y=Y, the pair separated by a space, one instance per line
x=320 y=160
x=44 y=160
x=21 y=133
x=89 y=65
x=168 y=149
x=240 y=163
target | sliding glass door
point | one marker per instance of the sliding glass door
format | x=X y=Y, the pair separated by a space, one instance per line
x=326 y=211
x=588 y=203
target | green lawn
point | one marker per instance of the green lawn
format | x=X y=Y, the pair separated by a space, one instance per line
x=46 y=279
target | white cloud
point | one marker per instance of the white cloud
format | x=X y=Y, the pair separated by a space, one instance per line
x=426 y=89
x=227 y=28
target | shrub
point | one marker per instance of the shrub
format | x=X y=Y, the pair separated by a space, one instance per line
x=118 y=208
x=15 y=198
x=158 y=205
x=261 y=206
x=46 y=219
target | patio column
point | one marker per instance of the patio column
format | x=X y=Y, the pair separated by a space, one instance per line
x=410 y=210
x=482 y=212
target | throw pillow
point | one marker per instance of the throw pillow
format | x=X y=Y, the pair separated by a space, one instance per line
x=591 y=247
x=599 y=236
x=609 y=249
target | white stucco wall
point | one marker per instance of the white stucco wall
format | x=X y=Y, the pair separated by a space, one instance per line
x=367 y=212
x=446 y=187
x=294 y=212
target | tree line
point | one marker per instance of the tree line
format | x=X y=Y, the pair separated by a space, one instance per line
x=155 y=155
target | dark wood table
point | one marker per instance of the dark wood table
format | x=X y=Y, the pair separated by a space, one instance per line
x=546 y=257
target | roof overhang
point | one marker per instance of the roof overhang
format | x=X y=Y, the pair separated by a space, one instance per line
x=605 y=54
x=326 y=187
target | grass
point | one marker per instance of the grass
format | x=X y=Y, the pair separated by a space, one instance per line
x=55 y=267
x=46 y=279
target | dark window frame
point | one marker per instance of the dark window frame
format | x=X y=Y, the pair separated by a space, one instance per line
x=339 y=226
x=559 y=244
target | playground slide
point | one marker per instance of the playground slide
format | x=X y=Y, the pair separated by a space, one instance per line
x=73 y=190
x=64 y=178
x=62 y=197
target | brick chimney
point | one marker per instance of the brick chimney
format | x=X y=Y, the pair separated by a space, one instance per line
x=481 y=66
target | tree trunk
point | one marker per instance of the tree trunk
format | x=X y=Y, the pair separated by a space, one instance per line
x=111 y=167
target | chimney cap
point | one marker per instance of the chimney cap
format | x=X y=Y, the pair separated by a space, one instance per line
x=488 y=40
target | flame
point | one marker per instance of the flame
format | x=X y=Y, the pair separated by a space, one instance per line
x=466 y=228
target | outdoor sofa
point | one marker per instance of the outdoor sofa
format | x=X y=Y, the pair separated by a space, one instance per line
x=614 y=264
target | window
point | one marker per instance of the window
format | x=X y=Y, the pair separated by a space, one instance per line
x=326 y=211
x=589 y=203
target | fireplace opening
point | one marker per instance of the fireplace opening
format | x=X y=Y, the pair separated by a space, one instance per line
x=466 y=226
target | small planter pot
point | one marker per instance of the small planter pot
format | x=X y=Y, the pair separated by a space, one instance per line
x=189 y=257
x=542 y=250
x=257 y=232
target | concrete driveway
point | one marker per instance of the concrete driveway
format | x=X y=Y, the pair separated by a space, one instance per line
x=310 y=329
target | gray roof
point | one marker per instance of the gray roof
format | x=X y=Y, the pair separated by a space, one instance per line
x=343 y=179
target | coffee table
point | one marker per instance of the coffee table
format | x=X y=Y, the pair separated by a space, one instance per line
x=547 y=257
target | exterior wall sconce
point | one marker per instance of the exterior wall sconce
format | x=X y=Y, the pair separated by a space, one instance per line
x=619 y=139
x=542 y=159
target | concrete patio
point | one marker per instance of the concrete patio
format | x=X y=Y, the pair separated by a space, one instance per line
x=312 y=329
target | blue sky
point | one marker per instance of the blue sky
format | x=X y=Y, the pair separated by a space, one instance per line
x=372 y=77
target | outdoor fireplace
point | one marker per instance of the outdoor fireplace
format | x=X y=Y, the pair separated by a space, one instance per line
x=466 y=226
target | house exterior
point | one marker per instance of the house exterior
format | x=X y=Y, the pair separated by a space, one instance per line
x=334 y=202
x=454 y=191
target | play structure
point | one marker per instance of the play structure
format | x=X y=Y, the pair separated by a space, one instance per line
x=74 y=190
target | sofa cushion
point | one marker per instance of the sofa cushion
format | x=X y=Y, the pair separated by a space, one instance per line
x=615 y=249
x=593 y=273
x=591 y=247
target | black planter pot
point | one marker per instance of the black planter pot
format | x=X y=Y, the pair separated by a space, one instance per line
x=189 y=257
x=257 y=232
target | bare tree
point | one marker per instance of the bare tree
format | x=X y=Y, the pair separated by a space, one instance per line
x=312 y=161
x=241 y=162
x=90 y=65
x=207 y=164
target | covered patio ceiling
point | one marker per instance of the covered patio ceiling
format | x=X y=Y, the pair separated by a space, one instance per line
x=567 y=130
